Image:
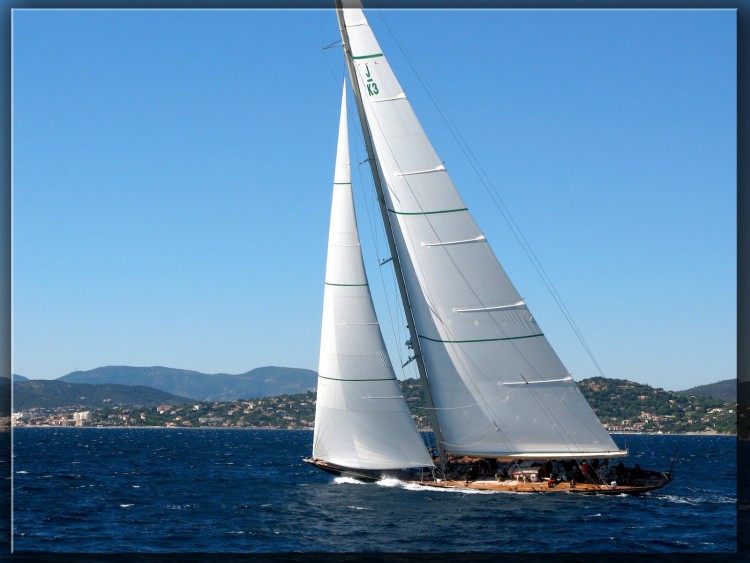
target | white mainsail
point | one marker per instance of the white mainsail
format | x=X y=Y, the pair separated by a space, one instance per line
x=361 y=418
x=497 y=386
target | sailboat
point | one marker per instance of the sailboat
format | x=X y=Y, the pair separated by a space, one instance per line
x=504 y=411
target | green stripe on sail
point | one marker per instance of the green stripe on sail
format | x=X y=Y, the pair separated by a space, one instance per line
x=480 y=340
x=367 y=56
x=428 y=212
x=347 y=284
x=342 y=183
x=363 y=380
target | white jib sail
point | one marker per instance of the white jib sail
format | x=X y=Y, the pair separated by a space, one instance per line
x=361 y=418
x=497 y=385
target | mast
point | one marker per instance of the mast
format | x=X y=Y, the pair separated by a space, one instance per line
x=377 y=178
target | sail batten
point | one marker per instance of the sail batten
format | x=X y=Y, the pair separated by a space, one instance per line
x=490 y=308
x=440 y=168
x=452 y=242
x=358 y=380
x=525 y=382
x=434 y=212
x=401 y=96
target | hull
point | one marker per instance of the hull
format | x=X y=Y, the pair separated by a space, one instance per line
x=646 y=481
x=513 y=486
x=366 y=475
x=526 y=479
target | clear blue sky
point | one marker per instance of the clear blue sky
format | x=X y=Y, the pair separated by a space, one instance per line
x=173 y=169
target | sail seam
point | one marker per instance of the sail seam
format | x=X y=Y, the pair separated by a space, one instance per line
x=347 y=284
x=427 y=212
x=480 y=340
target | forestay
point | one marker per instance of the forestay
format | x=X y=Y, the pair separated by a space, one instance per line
x=361 y=420
x=497 y=385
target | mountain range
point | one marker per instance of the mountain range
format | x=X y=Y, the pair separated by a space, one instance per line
x=260 y=382
x=265 y=381
x=50 y=394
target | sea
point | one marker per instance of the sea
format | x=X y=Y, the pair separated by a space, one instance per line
x=161 y=490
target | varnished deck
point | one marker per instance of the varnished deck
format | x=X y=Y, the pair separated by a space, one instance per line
x=541 y=487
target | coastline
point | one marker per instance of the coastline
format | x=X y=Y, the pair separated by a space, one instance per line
x=6 y=429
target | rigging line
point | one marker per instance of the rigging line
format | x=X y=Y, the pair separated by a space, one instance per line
x=388 y=228
x=323 y=19
x=396 y=334
x=397 y=338
x=372 y=222
x=652 y=452
x=374 y=120
x=576 y=413
x=429 y=222
x=368 y=206
x=510 y=444
x=469 y=406
x=367 y=203
x=552 y=418
x=387 y=187
x=555 y=421
x=494 y=195
x=468 y=445
x=565 y=440
x=498 y=431
x=332 y=45
x=495 y=322
x=323 y=52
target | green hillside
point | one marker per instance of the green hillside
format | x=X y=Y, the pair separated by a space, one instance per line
x=620 y=403
x=54 y=394
x=725 y=390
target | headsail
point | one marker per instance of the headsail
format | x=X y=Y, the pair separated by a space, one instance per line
x=361 y=419
x=498 y=387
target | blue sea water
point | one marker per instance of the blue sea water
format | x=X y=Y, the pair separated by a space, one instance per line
x=95 y=490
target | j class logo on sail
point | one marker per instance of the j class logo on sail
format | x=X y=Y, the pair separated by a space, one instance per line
x=372 y=87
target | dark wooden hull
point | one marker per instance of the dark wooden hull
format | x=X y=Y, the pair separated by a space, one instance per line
x=367 y=475
x=645 y=482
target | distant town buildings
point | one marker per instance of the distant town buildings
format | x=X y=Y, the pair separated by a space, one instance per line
x=622 y=409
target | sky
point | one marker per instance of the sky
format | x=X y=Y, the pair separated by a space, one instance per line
x=172 y=176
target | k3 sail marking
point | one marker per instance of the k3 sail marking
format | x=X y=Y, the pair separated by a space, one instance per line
x=372 y=87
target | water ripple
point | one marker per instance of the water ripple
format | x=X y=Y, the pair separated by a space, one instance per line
x=248 y=492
